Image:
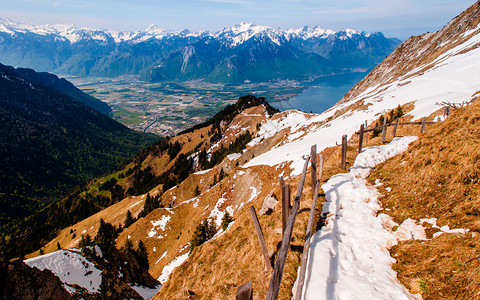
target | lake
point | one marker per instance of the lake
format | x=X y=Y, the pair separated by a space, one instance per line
x=323 y=94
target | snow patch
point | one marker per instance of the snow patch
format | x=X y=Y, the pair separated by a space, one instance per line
x=168 y=269
x=145 y=292
x=71 y=267
x=349 y=256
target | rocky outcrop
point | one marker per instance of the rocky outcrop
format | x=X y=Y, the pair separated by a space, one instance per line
x=20 y=281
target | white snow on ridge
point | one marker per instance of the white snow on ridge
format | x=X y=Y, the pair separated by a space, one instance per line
x=349 y=256
x=454 y=79
x=235 y=35
x=71 y=267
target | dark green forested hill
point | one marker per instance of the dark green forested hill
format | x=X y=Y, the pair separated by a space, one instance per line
x=60 y=84
x=50 y=142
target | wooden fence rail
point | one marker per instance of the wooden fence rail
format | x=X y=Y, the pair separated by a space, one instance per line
x=273 y=288
x=289 y=214
x=393 y=124
x=308 y=235
x=261 y=239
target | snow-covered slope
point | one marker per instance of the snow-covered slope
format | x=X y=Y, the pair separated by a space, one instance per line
x=80 y=275
x=349 y=256
x=425 y=70
x=72 y=268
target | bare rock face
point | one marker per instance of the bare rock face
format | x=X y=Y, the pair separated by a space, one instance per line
x=268 y=205
x=20 y=281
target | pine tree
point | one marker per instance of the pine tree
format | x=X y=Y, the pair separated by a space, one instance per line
x=221 y=175
x=226 y=220
x=203 y=232
x=142 y=255
x=85 y=241
x=106 y=236
x=129 y=219
x=128 y=247
x=197 y=191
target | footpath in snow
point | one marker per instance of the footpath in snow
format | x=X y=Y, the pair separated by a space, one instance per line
x=349 y=257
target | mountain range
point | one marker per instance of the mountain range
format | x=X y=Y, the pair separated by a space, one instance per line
x=244 y=52
x=424 y=201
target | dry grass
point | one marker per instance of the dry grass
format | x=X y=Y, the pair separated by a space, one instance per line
x=438 y=176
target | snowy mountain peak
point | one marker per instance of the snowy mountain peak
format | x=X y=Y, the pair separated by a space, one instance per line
x=242 y=32
x=155 y=29
x=234 y=35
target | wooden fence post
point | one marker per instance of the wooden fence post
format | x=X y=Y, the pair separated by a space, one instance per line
x=261 y=239
x=285 y=205
x=343 y=164
x=313 y=164
x=308 y=235
x=384 y=130
x=446 y=111
x=424 y=120
x=282 y=182
x=360 y=138
x=395 y=128
x=274 y=287
x=245 y=292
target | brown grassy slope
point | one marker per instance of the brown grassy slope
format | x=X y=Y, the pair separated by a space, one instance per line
x=69 y=237
x=216 y=269
x=438 y=176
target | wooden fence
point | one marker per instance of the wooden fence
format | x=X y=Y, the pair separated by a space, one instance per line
x=289 y=215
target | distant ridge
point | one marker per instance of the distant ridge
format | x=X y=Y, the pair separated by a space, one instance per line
x=59 y=84
x=231 y=55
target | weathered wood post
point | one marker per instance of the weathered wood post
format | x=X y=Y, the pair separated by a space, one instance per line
x=446 y=111
x=424 y=120
x=360 y=138
x=245 y=292
x=274 y=287
x=395 y=128
x=308 y=235
x=313 y=162
x=285 y=205
x=343 y=164
x=384 y=130
x=261 y=239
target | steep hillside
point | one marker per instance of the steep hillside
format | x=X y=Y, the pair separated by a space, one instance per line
x=47 y=132
x=434 y=64
x=20 y=281
x=59 y=84
x=436 y=183
x=165 y=163
x=231 y=55
x=50 y=143
x=219 y=170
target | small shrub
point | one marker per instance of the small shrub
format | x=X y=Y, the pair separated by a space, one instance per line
x=226 y=220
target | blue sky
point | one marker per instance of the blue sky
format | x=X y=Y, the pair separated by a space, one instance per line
x=396 y=18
